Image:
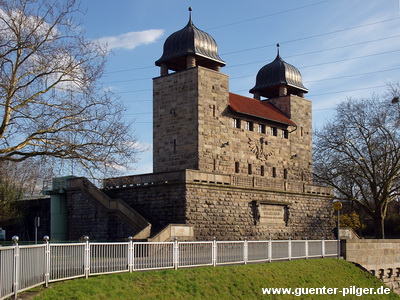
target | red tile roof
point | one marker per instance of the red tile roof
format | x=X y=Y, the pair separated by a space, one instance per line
x=257 y=108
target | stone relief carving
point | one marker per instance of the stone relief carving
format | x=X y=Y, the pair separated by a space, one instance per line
x=258 y=147
x=255 y=207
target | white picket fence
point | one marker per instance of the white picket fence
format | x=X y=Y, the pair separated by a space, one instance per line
x=24 y=267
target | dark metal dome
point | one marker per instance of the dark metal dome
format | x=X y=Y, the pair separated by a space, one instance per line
x=190 y=41
x=275 y=75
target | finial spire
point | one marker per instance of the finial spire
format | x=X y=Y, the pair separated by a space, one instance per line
x=190 y=14
x=277 y=47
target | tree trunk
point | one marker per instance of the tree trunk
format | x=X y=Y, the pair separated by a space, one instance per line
x=379 y=227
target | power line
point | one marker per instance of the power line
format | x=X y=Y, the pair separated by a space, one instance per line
x=332 y=92
x=131 y=69
x=301 y=67
x=317 y=51
x=311 y=96
x=331 y=78
x=312 y=36
x=128 y=80
x=135 y=91
x=353 y=75
x=314 y=65
x=346 y=91
x=347 y=59
x=266 y=16
x=270 y=45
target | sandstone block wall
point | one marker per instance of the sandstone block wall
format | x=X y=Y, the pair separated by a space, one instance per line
x=87 y=216
x=193 y=129
x=162 y=203
x=380 y=257
x=175 y=122
x=228 y=212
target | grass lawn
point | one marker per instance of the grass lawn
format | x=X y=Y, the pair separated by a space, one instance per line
x=225 y=282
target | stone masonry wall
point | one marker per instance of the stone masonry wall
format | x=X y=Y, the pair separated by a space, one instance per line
x=193 y=129
x=221 y=145
x=379 y=257
x=175 y=106
x=163 y=203
x=300 y=112
x=228 y=212
x=88 y=217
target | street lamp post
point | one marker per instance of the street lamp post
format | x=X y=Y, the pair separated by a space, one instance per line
x=337 y=205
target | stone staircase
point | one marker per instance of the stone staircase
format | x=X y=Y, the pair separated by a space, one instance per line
x=130 y=216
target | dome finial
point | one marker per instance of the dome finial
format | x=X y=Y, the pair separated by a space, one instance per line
x=277 y=47
x=190 y=14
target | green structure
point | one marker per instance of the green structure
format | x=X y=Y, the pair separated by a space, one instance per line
x=58 y=208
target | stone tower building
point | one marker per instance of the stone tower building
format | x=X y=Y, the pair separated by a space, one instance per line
x=226 y=165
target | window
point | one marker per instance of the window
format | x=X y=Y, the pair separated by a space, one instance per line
x=249 y=169
x=262 y=171
x=236 y=123
x=174 y=145
x=285 y=133
x=274 y=131
x=285 y=174
x=213 y=110
x=274 y=172
x=261 y=128
x=237 y=169
x=249 y=126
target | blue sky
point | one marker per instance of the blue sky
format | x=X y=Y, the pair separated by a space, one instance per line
x=343 y=48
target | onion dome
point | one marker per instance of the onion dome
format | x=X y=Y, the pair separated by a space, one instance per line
x=190 y=47
x=278 y=78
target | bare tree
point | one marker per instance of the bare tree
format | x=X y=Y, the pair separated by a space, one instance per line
x=19 y=180
x=358 y=153
x=51 y=101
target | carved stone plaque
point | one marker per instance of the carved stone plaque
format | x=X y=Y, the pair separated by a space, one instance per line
x=273 y=214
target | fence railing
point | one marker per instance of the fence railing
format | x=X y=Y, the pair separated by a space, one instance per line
x=24 y=267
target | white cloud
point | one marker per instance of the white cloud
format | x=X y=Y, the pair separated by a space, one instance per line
x=131 y=40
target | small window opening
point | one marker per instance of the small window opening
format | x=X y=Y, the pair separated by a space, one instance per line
x=261 y=128
x=249 y=126
x=274 y=131
x=286 y=133
x=236 y=123
x=237 y=169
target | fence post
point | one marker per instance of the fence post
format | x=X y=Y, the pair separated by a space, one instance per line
x=214 y=251
x=130 y=254
x=306 y=250
x=245 y=250
x=290 y=248
x=46 y=238
x=87 y=256
x=270 y=249
x=323 y=247
x=15 y=239
x=175 y=253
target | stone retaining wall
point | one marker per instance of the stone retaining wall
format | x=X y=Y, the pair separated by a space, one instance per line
x=380 y=257
x=231 y=212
